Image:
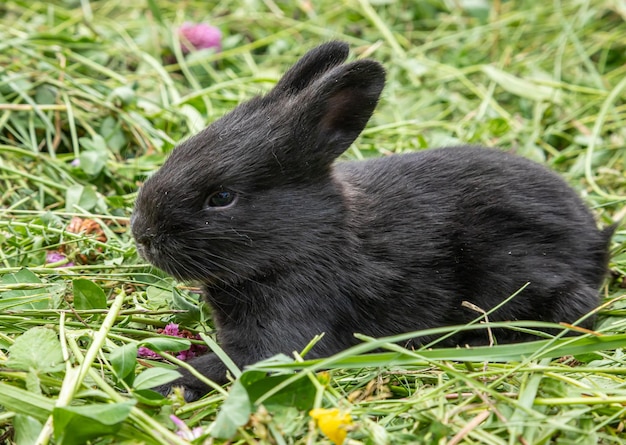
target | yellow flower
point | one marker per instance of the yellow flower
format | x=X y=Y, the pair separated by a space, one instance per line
x=333 y=423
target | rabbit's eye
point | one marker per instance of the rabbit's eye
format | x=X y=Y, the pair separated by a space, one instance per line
x=222 y=198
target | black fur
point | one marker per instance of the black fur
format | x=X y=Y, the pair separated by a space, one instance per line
x=380 y=247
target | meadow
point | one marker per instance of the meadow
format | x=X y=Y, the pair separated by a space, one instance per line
x=95 y=94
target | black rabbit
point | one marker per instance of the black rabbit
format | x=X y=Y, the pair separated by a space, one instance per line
x=288 y=245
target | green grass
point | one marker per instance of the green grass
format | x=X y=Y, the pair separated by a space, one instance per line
x=105 y=82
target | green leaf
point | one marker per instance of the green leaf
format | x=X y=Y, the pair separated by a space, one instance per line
x=299 y=394
x=94 y=143
x=33 y=382
x=498 y=126
x=88 y=295
x=167 y=344
x=521 y=87
x=155 y=9
x=45 y=94
x=83 y=197
x=92 y=162
x=180 y=302
x=78 y=424
x=360 y=356
x=158 y=297
x=111 y=129
x=27 y=429
x=37 y=349
x=153 y=377
x=21 y=401
x=235 y=412
x=150 y=397
x=438 y=431
x=124 y=359
x=32 y=298
x=221 y=354
x=195 y=119
x=192 y=312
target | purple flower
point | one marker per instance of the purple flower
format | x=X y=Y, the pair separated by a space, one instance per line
x=53 y=256
x=186 y=355
x=184 y=431
x=172 y=329
x=199 y=36
x=146 y=353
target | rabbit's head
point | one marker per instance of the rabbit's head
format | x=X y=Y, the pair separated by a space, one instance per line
x=255 y=189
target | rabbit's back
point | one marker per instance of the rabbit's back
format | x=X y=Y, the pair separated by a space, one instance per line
x=475 y=224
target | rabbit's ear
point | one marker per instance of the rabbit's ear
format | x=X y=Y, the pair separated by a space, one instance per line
x=337 y=107
x=310 y=67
